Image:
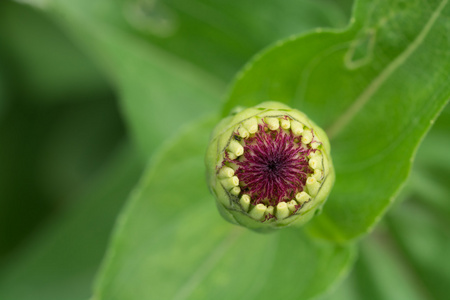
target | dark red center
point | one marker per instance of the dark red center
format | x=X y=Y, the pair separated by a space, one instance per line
x=274 y=166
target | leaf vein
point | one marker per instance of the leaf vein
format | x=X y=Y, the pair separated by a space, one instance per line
x=373 y=87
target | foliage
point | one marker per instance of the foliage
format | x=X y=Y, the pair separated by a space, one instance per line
x=376 y=86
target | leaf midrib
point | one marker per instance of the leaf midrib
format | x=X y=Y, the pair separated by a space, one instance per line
x=343 y=120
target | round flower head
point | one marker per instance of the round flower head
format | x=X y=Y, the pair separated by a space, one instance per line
x=269 y=166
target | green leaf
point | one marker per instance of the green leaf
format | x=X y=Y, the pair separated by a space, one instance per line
x=404 y=259
x=169 y=59
x=60 y=261
x=376 y=87
x=171 y=243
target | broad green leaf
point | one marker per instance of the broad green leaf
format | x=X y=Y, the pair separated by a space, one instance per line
x=417 y=236
x=171 y=243
x=61 y=260
x=376 y=87
x=168 y=59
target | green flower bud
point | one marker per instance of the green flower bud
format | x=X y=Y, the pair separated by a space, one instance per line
x=269 y=166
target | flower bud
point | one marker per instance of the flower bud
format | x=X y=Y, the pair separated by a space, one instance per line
x=269 y=166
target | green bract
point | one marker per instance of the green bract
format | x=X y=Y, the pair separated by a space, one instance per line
x=269 y=166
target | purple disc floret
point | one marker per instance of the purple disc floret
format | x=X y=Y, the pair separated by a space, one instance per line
x=274 y=166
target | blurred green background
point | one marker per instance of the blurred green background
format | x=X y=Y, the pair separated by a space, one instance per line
x=60 y=121
x=68 y=162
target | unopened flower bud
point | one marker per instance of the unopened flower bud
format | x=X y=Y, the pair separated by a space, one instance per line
x=269 y=166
